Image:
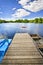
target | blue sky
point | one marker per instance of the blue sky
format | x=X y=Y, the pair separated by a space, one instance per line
x=20 y=9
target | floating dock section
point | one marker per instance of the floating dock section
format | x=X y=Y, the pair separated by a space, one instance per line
x=22 y=51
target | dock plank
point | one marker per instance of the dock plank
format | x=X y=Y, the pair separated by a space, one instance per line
x=22 y=51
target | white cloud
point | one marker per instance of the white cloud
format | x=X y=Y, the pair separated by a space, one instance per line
x=7 y=19
x=23 y=2
x=34 y=6
x=20 y=13
x=13 y=8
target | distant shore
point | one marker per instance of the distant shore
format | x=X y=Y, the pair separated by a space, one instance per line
x=36 y=20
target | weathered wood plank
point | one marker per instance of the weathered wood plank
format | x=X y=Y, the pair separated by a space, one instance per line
x=22 y=51
x=23 y=60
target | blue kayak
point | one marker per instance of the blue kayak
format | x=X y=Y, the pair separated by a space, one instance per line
x=4 y=44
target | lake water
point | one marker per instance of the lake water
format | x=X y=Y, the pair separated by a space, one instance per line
x=9 y=29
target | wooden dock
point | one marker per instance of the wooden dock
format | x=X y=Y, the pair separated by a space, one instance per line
x=35 y=36
x=22 y=51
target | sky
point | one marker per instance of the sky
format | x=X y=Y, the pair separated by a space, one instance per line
x=21 y=9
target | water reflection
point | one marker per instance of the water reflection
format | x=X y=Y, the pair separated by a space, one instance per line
x=9 y=29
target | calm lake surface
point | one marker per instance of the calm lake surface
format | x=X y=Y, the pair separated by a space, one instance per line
x=9 y=29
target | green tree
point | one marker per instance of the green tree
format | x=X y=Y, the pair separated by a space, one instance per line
x=36 y=20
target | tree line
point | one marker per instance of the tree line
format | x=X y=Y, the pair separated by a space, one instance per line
x=36 y=20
